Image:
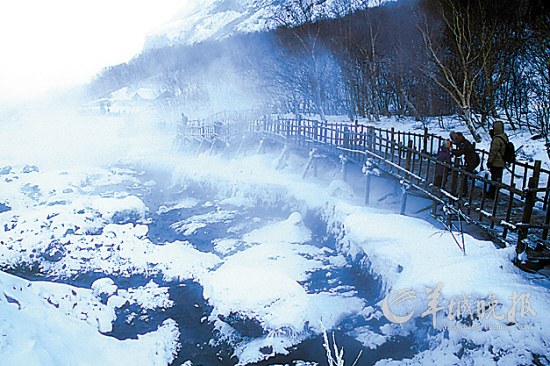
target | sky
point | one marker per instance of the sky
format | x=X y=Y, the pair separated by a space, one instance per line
x=53 y=44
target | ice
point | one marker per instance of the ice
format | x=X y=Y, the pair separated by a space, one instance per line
x=225 y=246
x=187 y=202
x=368 y=338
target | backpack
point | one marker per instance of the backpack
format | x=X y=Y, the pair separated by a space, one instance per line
x=509 y=155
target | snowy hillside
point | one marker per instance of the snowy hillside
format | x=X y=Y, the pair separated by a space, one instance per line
x=218 y=19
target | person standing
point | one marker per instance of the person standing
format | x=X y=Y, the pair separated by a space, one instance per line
x=495 y=162
x=444 y=161
x=182 y=125
x=471 y=158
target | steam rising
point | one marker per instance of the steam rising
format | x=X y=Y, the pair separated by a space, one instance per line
x=61 y=136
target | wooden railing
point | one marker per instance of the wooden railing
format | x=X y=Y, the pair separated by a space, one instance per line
x=520 y=211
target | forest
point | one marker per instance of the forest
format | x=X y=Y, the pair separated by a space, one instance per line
x=478 y=60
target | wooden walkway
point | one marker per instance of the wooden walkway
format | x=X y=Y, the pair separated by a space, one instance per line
x=519 y=215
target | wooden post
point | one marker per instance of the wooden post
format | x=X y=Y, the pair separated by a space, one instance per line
x=393 y=143
x=315 y=165
x=546 y=222
x=299 y=130
x=315 y=131
x=404 y=189
x=454 y=176
x=344 y=168
x=425 y=141
x=399 y=148
x=408 y=158
x=367 y=170
x=367 y=189
x=370 y=138
x=546 y=195
x=288 y=123
x=509 y=210
x=530 y=199
x=526 y=219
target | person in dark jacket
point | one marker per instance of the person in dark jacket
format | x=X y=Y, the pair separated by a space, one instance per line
x=441 y=171
x=495 y=162
x=471 y=158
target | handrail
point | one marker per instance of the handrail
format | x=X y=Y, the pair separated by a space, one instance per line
x=412 y=156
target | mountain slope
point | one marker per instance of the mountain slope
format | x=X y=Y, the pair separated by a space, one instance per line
x=218 y=19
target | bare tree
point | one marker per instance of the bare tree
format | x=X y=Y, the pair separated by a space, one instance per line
x=305 y=13
x=466 y=56
x=538 y=74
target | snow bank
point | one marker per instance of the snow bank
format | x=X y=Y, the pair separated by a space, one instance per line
x=421 y=257
x=65 y=231
x=54 y=319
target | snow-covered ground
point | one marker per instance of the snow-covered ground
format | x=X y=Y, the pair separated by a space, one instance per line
x=82 y=196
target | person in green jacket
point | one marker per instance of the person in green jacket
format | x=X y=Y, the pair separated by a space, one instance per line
x=496 y=162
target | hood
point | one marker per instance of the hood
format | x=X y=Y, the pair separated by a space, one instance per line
x=498 y=127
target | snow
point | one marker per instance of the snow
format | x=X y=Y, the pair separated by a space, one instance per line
x=369 y=338
x=190 y=226
x=291 y=230
x=109 y=207
x=185 y=203
x=272 y=269
x=87 y=214
x=46 y=324
x=215 y=20
x=418 y=258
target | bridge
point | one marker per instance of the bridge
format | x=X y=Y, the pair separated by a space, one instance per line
x=519 y=214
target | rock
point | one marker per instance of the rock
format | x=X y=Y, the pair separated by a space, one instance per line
x=5 y=170
x=54 y=252
x=30 y=168
x=267 y=350
x=246 y=326
x=4 y=208
x=104 y=286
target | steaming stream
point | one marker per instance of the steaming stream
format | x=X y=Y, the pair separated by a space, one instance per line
x=219 y=261
x=329 y=287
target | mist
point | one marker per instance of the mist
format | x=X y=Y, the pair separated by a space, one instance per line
x=58 y=134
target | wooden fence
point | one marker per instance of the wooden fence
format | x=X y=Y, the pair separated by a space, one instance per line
x=519 y=213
